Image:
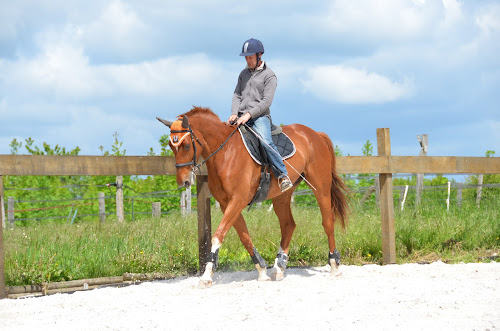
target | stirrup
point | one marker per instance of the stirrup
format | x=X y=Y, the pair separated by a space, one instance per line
x=284 y=183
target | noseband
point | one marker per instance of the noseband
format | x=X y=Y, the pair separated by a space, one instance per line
x=193 y=139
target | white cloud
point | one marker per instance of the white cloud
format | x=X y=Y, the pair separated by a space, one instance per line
x=487 y=19
x=118 y=29
x=67 y=65
x=137 y=134
x=9 y=14
x=452 y=13
x=85 y=126
x=66 y=72
x=344 y=84
x=378 y=21
x=111 y=32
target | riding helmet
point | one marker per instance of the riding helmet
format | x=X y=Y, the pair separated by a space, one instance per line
x=251 y=47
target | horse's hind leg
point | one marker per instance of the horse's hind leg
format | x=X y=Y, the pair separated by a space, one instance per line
x=281 y=205
x=323 y=196
x=260 y=264
x=241 y=228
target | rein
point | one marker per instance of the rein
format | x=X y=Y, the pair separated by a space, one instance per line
x=193 y=163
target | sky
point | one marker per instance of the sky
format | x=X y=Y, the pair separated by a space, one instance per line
x=73 y=73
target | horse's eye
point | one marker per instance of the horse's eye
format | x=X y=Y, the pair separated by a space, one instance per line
x=187 y=146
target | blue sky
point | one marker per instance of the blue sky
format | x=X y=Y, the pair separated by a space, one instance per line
x=74 y=72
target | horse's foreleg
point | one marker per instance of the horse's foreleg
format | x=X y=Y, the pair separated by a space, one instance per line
x=231 y=215
x=206 y=278
x=282 y=209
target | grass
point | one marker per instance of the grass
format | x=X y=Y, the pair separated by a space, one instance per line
x=52 y=252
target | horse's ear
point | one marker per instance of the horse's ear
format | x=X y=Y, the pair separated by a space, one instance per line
x=185 y=122
x=167 y=123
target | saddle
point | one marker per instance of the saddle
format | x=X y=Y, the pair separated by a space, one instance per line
x=285 y=145
x=254 y=146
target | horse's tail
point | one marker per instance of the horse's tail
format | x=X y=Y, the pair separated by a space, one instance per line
x=339 y=189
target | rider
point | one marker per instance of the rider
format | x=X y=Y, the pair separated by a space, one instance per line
x=251 y=101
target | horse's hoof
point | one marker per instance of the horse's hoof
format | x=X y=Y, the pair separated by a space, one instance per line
x=205 y=283
x=277 y=275
x=262 y=273
x=265 y=278
x=335 y=271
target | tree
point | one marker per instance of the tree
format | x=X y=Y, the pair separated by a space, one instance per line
x=34 y=187
x=367 y=148
x=164 y=145
x=115 y=148
x=15 y=146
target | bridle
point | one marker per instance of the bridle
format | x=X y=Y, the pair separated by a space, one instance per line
x=193 y=163
x=193 y=140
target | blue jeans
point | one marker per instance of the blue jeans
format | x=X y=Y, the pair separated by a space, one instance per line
x=262 y=125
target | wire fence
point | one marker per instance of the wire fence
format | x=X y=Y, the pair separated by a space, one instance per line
x=141 y=204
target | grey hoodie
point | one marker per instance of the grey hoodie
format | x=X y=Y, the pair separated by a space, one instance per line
x=254 y=92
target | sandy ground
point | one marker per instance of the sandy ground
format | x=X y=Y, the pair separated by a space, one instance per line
x=411 y=296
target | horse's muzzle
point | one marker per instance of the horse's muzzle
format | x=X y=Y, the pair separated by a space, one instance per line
x=187 y=183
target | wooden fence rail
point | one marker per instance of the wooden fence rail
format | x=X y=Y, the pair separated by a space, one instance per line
x=73 y=165
x=384 y=164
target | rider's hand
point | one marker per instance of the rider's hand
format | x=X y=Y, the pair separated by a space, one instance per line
x=232 y=119
x=243 y=119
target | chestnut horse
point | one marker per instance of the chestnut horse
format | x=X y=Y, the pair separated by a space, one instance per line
x=233 y=179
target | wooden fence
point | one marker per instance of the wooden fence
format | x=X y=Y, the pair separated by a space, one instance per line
x=384 y=164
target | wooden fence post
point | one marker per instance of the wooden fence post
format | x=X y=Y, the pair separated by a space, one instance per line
x=459 y=194
x=424 y=143
x=10 y=210
x=119 y=199
x=204 y=220
x=367 y=194
x=448 y=198
x=102 y=207
x=156 y=209
x=183 y=203
x=479 y=190
x=2 y=207
x=377 y=192
x=386 y=201
x=188 y=200
x=3 y=292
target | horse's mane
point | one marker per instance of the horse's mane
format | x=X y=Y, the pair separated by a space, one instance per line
x=202 y=112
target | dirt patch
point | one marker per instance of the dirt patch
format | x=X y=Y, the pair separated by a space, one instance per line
x=410 y=296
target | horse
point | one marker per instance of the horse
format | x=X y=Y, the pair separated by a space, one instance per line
x=233 y=179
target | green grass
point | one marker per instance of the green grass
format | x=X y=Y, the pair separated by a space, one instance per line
x=52 y=252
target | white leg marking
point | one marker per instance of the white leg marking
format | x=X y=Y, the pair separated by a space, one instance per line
x=206 y=278
x=276 y=272
x=334 y=268
x=262 y=273
x=207 y=275
x=215 y=244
